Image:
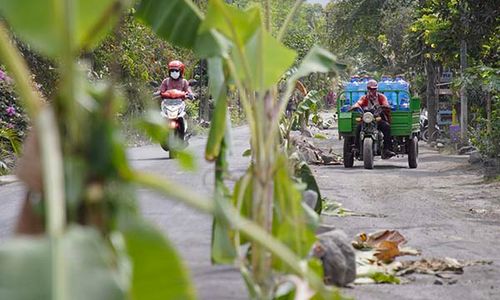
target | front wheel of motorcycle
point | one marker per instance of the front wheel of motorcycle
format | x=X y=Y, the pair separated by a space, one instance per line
x=368 y=153
x=348 y=154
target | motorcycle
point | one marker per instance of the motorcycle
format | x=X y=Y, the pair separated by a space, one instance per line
x=424 y=127
x=370 y=137
x=173 y=110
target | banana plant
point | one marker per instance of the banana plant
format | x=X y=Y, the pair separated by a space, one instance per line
x=241 y=52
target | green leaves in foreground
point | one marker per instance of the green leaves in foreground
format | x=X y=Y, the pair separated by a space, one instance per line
x=317 y=60
x=218 y=90
x=40 y=22
x=90 y=269
x=26 y=268
x=158 y=272
x=267 y=60
x=176 y=21
x=291 y=223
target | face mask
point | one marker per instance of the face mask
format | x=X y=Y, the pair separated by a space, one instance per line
x=175 y=74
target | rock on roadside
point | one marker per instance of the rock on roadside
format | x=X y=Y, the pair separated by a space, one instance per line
x=338 y=258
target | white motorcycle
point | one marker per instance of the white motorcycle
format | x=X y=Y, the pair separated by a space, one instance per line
x=173 y=110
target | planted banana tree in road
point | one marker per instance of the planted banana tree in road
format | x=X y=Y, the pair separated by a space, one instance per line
x=242 y=53
x=95 y=240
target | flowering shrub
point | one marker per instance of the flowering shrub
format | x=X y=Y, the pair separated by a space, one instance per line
x=13 y=123
x=11 y=113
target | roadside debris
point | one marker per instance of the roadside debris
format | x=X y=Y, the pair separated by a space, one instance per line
x=376 y=260
x=439 y=267
x=466 y=150
x=335 y=209
x=313 y=155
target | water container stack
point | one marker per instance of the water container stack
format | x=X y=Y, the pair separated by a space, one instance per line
x=351 y=91
x=362 y=86
x=385 y=84
x=403 y=87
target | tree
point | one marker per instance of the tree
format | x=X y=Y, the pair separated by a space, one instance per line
x=444 y=27
x=370 y=34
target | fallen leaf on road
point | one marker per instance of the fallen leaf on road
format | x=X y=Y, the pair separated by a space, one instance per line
x=387 y=251
x=373 y=240
x=375 y=260
x=385 y=278
x=335 y=209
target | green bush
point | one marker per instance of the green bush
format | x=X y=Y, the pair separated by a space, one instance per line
x=488 y=143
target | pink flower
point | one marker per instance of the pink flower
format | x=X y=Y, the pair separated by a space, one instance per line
x=10 y=111
x=10 y=126
x=5 y=77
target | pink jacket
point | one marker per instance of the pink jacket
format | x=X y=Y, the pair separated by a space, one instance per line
x=170 y=84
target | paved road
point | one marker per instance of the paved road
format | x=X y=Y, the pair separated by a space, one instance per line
x=443 y=208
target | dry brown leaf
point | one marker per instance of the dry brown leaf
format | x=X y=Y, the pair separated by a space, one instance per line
x=373 y=240
x=387 y=251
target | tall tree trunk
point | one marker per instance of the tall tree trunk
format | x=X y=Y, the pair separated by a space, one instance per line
x=488 y=112
x=204 y=98
x=431 y=71
x=463 y=96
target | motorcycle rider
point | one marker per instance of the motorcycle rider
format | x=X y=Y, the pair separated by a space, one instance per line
x=175 y=79
x=373 y=100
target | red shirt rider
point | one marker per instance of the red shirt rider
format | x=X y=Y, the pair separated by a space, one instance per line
x=371 y=99
x=175 y=79
x=369 y=102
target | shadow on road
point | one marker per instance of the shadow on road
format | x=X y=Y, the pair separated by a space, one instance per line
x=360 y=166
x=150 y=158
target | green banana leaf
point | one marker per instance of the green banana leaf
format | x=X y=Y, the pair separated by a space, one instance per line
x=39 y=22
x=26 y=267
x=158 y=271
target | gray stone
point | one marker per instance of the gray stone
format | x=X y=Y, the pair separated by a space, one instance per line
x=475 y=157
x=310 y=197
x=440 y=145
x=338 y=258
x=306 y=132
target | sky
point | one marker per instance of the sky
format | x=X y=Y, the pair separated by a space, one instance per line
x=322 y=2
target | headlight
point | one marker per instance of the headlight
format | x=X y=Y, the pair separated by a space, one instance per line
x=368 y=117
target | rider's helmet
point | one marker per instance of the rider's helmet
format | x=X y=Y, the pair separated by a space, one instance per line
x=372 y=84
x=176 y=69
